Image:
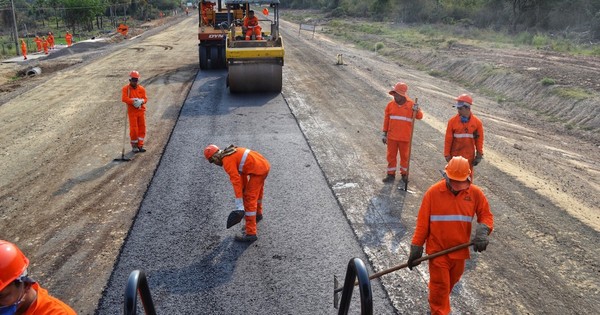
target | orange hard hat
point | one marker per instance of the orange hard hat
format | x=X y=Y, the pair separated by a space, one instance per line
x=458 y=169
x=465 y=98
x=399 y=88
x=266 y=11
x=13 y=263
x=210 y=150
x=134 y=74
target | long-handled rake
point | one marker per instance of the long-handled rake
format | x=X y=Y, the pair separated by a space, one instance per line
x=123 y=158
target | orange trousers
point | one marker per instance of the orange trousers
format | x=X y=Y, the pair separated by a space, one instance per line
x=256 y=31
x=137 y=127
x=254 y=187
x=393 y=147
x=444 y=273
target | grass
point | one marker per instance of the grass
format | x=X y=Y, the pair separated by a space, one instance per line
x=547 y=81
x=574 y=93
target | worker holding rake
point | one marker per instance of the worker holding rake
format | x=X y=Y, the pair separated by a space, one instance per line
x=444 y=221
x=134 y=96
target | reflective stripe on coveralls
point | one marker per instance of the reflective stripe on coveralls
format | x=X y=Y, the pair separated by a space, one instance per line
x=409 y=119
x=459 y=218
x=243 y=161
x=460 y=141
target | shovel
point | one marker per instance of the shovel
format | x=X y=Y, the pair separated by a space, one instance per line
x=123 y=158
x=412 y=130
x=390 y=270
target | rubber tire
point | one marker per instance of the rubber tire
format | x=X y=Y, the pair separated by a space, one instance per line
x=203 y=57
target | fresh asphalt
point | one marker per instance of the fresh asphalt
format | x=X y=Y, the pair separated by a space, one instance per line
x=179 y=238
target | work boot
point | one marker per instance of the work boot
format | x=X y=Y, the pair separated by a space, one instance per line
x=258 y=217
x=245 y=237
x=141 y=149
x=135 y=149
x=389 y=178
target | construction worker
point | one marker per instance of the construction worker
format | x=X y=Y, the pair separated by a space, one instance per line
x=134 y=95
x=19 y=294
x=444 y=221
x=205 y=7
x=45 y=44
x=397 y=127
x=38 y=43
x=464 y=134
x=251 y=26
x=247 y=171
x=50 y=40
x=69 y=39
x=24 y=49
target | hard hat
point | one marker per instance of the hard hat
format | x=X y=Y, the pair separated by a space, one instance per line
x=465 y=98
x=13 y=263
x=399 y=88
x=210 y=150
x=266 y=11
x=458 y=169
x=134 y=74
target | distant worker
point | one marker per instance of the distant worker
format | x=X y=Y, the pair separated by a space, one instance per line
x=444 y=221
x=397 y=127
x=50 y=40
x=38 y=43
x=187 y=11
x=20 y=294
x=24 y=49
x=69 y=39
x=247 y=171
x=45 y=44
x=134 y=95
x=251 y=26
x=464 y=134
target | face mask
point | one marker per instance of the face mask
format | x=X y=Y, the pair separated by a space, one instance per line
x=9 y=310
x=464 y=119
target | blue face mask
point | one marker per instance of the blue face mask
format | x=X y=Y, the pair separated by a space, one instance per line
x=464 y=119
x=9 y=310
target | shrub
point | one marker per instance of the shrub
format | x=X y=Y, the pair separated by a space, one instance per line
x=379 y=46
x=547 y=81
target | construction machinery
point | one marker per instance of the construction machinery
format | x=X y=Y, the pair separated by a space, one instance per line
x=254 y=63
x=212 y=31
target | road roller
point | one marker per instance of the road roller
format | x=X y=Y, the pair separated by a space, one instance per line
x=254 y=55
x=212 y=31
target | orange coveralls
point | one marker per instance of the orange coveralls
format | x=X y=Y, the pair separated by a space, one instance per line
x=45 y=304
x=398 y=124
x=247 y=171
x=205 y=6
x=51 y=41
x=24 y=49
x=462 y=140
x=45 y=44
x=69 y=39
x=38 y=43
x=137 y=116
x=444 y=221
x=252 y=27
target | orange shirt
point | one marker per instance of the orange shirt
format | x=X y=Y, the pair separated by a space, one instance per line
x=128 y=94
x=250 y=22
x=460 y=139
x=45 y=304
x=398 y=120
x=240 y=164
x=444 y=219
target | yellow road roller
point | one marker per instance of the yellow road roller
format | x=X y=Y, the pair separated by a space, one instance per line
x=253 y=48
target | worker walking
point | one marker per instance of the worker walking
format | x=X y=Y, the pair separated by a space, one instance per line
x=247 y=172
x=251 y=26
x=45 y=44
x=464 y=134
x=444 y=221
x=50 y=40
x=24 y=49
x=38 y=43
x=134 y=95
x=397 y=127
x=69 y=39
x=19 y=294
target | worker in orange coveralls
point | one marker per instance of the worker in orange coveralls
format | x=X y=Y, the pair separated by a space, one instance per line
x=205 y=6
x=251 y=26
x=464 y=134
x=397 y=127
x=38 y=43
x=247 y=171
x=24 y=49
x=50 y=40
x=45 y=44
x=19 y=294
x=134 y=95
x=444 y=221
x=69 y=39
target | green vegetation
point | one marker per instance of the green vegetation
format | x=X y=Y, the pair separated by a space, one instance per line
x=547 y=81
x=574 y=93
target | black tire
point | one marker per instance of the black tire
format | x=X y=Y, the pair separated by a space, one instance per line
x=202 y=51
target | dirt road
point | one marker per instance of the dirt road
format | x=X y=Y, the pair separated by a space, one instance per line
x=69 y=207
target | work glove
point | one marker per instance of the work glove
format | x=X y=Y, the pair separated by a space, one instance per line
x=137 y=102
x=384 y=137
x=478 y=158
x=415 y=107
x=415 y=253
x=448 y=158
x=480 y=242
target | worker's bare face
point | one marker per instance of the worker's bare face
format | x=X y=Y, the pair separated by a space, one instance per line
x=399 y=98
x=13 y=293
x=133 y=82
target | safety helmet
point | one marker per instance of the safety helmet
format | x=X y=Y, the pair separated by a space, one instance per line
x=266 y=11
x=465 y=98
x=458 y=169
x=134 y=74
x=13 y=263
x=210 y=150
x=399 y=88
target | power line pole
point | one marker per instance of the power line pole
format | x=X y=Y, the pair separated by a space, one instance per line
x=12 y=4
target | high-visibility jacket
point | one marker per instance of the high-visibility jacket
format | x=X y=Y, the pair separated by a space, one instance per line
x=462 y=139
x=38 y=43
x=45 y=304
x=398 y=120
x=128 y=93
x=241 y=164
x=250 y=22
x=444 y=220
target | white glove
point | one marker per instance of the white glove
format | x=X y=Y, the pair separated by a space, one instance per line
x=137 y=102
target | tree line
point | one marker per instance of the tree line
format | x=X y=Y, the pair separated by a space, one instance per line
x=582 y=16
